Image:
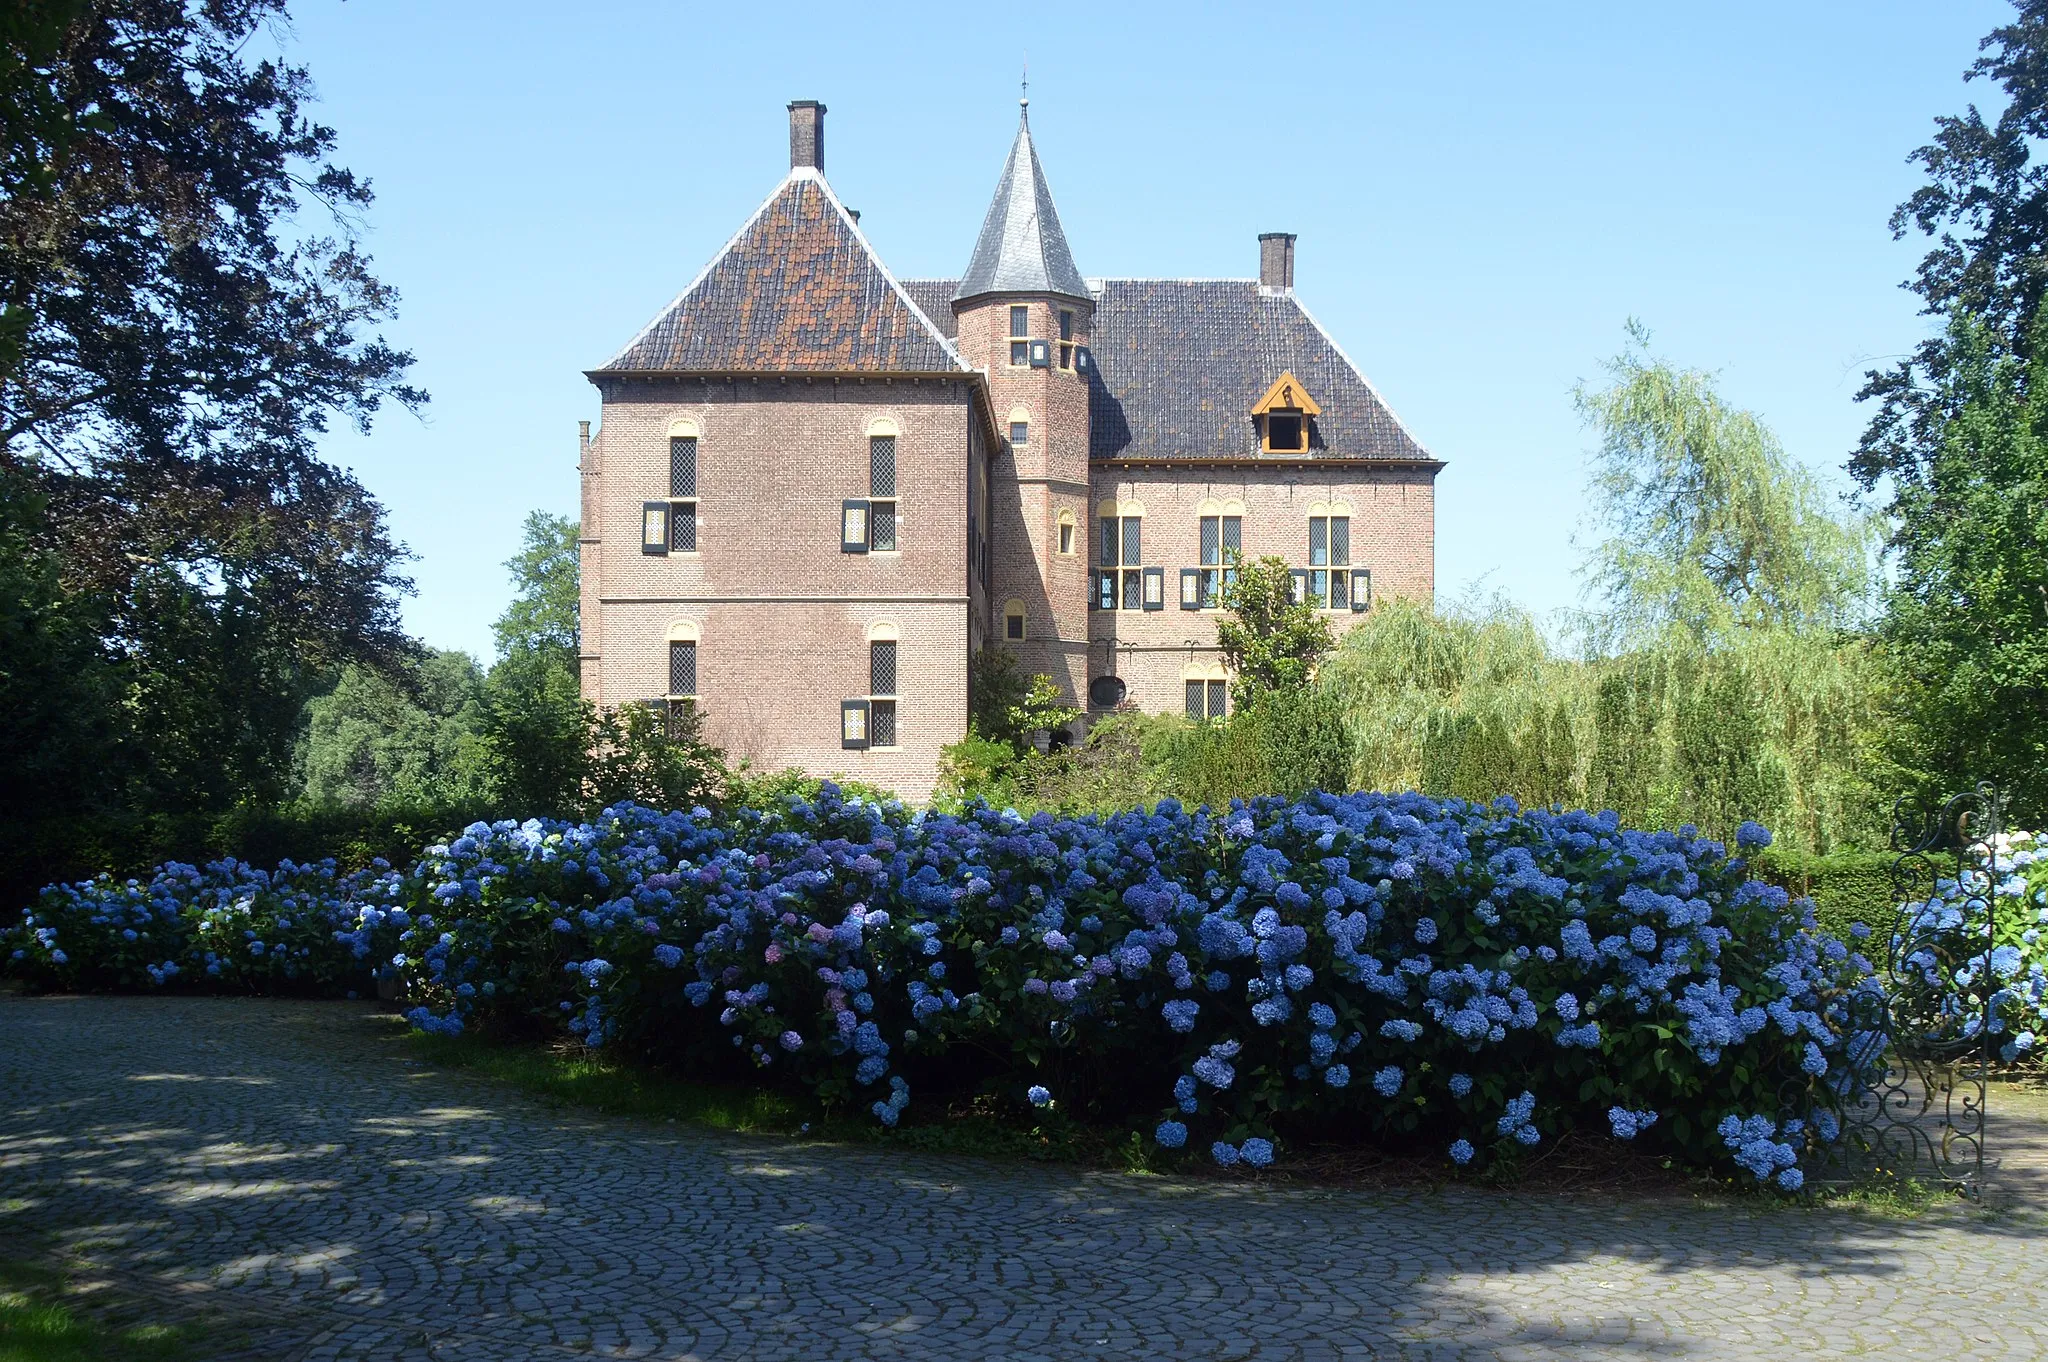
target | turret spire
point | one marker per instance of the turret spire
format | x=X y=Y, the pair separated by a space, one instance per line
x=1021 y=248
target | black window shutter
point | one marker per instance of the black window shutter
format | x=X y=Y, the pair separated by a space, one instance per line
x=1300 y=576
x=1191 y=588
x=853 y=725
x=1361 y=589
x=1155 y=588
x=853 y=527
x=654 y=527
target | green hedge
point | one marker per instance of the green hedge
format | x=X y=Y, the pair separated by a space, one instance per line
x=1846 y=887
x=37 y=852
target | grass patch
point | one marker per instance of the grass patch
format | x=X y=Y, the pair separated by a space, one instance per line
x=572 y=1077
x=575 y=1078
x=38 y=1324
x=568 y=1076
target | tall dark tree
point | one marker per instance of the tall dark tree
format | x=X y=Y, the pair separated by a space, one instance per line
x=178 y=346
x=1955 y=442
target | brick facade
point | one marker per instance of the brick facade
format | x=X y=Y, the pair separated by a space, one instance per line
x=796 y=347
x=1392 y=513
x=783 y=614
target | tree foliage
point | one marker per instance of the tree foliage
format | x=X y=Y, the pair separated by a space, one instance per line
x=375 y=742
x=1007 y=705
x=175 y=344
x=1270 y=641
x=547 y=603
x=1955 y=446
x=1966 y=632
x=1704 y=524
x=1984 y=208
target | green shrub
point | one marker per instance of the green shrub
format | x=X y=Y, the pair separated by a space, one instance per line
x=1846 y=887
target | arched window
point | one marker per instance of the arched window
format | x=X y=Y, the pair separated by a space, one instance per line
x=1219 y=542
x=683 y=636
x=1020 y=426
x=682 y=486
x=1066 y=534
x=1122 y=581
x=1326 y=582
x=1013 y=620
x=1208 y=689
x=870 y=721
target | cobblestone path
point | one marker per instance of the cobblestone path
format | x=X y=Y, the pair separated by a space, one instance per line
x=283 y=1171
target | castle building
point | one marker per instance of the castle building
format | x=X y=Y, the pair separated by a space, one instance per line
x=818 y=490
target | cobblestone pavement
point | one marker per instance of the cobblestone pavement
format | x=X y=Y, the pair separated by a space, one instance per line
x=284 y=1172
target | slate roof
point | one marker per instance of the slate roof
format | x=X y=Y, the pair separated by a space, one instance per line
x=1179 y=364
x=1021 y=248
x=798 y=289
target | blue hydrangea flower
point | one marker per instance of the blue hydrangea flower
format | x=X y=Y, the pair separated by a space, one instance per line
x=1388 y=1080
x=1039 y=1096
x=1461 y=1085
x=1224 y=1153
x=1170 y=1135
x=1257 y=1152
x=1337 y=1075
x=1462 y=1152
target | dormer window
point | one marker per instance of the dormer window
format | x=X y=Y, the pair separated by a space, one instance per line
x=1282 y=417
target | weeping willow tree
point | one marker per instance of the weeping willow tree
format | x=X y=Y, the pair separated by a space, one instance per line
x=1718 y=673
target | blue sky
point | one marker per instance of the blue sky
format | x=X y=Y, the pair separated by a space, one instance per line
x=1484 y=195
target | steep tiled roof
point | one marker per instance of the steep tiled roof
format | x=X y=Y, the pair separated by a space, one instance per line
x=797 y=290
x=1179 y=364
x=1021 y=248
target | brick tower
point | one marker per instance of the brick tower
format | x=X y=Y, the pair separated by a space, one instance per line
x=1025 y=317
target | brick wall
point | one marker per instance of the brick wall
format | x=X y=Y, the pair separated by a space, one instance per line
x=1035 y=482
x=784 y=614
x=1393 y=532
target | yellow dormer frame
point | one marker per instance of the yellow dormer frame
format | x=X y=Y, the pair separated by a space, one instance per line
x=1286 y=399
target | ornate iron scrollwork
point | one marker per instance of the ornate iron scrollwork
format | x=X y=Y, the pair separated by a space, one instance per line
x=1911 y=1100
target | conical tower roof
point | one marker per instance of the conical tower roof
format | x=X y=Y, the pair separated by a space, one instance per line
x=1021 y=248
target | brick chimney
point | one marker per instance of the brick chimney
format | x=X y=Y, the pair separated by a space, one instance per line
x=1276 y=260
x=807 y=135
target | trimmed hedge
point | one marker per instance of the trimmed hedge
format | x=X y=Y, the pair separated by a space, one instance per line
x=1434 y=974
x=1846 y=888
x=74 y=847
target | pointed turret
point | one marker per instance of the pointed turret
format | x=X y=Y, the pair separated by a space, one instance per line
x=1021 y=248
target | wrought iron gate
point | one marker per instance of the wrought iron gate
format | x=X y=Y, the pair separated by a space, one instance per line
x=1921 y=1034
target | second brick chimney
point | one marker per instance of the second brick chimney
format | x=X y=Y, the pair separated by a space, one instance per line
x=807 y=135
x=1276 y=260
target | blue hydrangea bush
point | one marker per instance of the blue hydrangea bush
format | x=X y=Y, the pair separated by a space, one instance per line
x=1429 y=974
x=1973 y=950
x=228 y=926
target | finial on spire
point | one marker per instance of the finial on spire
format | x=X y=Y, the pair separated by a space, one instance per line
x=1024 y=96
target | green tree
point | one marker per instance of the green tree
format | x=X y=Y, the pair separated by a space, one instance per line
x=378 y=742
x=1966 y=629
x=1704 y=524
x=1954 y=446
x=176 y=340
x=1008 y=705
x=547 y=593
x=1984 y=209
x=1270 y=641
